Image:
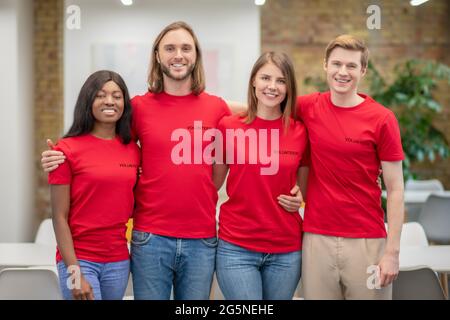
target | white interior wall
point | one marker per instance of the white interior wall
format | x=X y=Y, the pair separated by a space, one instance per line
x=231 y=25
x=16 y=121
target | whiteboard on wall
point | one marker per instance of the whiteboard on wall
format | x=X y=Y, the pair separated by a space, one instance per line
x=130 y=60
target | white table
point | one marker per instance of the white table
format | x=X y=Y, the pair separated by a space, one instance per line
x=435 y=257
x=25 y=254
x=418 y=197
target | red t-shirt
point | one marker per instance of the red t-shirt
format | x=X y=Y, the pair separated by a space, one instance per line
x=346 y=147
x=101 y=174
x=251 y=217
x=175 y=195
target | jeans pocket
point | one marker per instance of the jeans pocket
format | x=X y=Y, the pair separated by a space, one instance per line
x=210 y=242
x=140 y=238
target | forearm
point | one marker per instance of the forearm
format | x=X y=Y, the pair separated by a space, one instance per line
x=390 y=262
x=60 y=202
x=395 y=218
x=393 y=180
x=65 y=241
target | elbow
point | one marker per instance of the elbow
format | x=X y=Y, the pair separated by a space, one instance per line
x=59 y=220
x=396 y=188
x=396 y=193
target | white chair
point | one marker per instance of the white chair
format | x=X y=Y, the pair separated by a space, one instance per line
x=413 y=234
x=424 y=185
x=37 y=283
x=46 y=234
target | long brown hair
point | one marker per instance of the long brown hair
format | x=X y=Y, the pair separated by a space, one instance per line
x=288 y=105
x=155 y=76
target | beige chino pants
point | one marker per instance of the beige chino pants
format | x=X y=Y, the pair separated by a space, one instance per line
x=336 y=268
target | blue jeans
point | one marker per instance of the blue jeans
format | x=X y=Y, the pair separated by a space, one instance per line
x=108 y=280
x=248 y=275
x=159 y=262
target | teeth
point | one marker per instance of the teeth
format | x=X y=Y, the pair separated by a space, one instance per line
x=342 y=80
x=109 y=111
x=178 y=65
x=272 y=95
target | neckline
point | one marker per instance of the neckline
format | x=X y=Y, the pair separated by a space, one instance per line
x=358 y=106
x=269 y=120
x=168 y=95
x=103 y=139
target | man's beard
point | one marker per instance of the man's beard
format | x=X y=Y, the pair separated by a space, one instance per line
x=167 y=72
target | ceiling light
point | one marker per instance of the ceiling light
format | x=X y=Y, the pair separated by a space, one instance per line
x=417 y=2
x=127 y=2
x=260 y=2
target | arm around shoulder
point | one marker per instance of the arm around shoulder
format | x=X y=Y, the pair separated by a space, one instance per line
x=51 y=159
x=236 y=106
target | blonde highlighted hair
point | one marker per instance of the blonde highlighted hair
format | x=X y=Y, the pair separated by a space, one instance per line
x=349 y=42
x=288 y=105
x=155 y=76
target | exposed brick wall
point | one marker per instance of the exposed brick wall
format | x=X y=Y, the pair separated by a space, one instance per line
x=48 y=78
x=303 y=28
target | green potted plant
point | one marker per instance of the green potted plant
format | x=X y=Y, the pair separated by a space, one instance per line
x=410 y=96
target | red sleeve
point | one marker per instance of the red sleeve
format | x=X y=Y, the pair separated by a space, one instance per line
x=306 y=102
x=62 y=174
x=389 y=144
